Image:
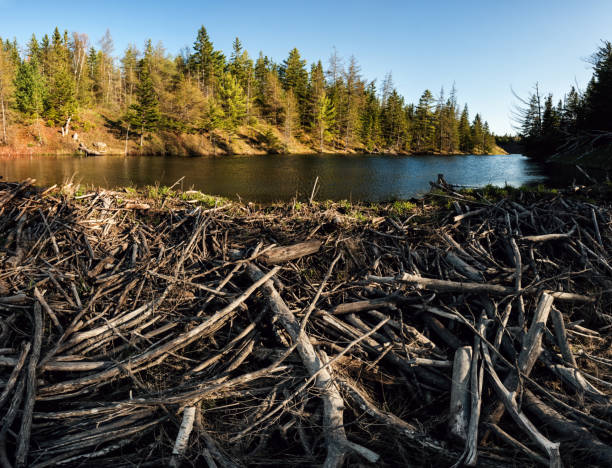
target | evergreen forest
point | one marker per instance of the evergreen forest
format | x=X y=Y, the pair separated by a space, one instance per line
x=62 y=80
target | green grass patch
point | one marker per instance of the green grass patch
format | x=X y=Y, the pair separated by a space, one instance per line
x=203 y=199
x=402 y=207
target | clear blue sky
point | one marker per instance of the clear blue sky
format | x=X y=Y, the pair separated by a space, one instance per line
x=485 y=47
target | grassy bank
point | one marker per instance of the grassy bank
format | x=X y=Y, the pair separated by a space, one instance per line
x=93 y=127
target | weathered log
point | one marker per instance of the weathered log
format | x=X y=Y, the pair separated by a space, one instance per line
x=291 y=252
x=182 y=437
x=460 y=396
x=365 y=305
x=88 y=151
x=23 y=446
x=593 y=448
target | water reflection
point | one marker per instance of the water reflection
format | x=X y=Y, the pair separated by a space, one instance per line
x=281 y=177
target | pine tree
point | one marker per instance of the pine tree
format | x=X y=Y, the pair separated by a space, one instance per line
x=233 y=103
x=488 y=139
x=33 y=50
x=262 y=67
x=394 y=124
x=273 y=105
x=424 y=123
x=201 y=61
x=550 y=118
x=465 y=134
x=129 y=68
x=599 y=93
x=292 y=115
x=478 y=143
x=60 y=100
x=241 y=66
x=316 y=91
x=324 y=120
x=29 y=90
x=353 y=100
x=7 y=88
x=147 y=115
x=294 y=77
x=370 y=120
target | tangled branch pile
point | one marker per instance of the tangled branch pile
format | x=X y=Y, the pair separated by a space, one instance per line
x=287 y=335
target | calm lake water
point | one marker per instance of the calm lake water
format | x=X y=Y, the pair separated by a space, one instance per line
x=281 y=177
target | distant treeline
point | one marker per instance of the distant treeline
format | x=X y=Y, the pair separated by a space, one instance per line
x=580 y=121
x=202 y=91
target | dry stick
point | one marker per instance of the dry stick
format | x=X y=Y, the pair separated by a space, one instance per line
x=51 y=235
x=575 y=433
x=467 y=287
x=26 y=419
x=48 y=309
x=314 y=301
x=503 y=435
x=182 y=437
x=8 y=419
x=596 y=228
x=518 y=280
x=530 y=350
x=365 y=305
x=476 y=377
x=509 y=401
x=177 y=343
x=561 y=336
x=389 y=419
x=25 y=349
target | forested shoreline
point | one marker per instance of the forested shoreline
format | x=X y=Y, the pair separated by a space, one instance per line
x=202 y=102
x=577 y=127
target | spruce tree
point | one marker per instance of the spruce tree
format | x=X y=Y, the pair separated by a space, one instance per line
x=465 y=133
x=478 y=135
x=147 y=115
x=294 y=77
x=7 y=89
x=233 y=103
x=424 y=123
x=324 y=120
x=60 y=100
x=29 y=90
x=370 y=120
x=599 y=93
x=201 y=62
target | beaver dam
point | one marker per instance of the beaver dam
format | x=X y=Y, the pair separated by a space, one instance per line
x=174 y=329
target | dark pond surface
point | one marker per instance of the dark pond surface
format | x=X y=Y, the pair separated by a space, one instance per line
x=281 y=177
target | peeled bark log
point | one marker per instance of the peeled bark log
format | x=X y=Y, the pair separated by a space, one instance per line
x=291 y=252
x=460 y=396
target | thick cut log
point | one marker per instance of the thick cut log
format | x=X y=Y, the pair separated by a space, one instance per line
x=291 y=252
